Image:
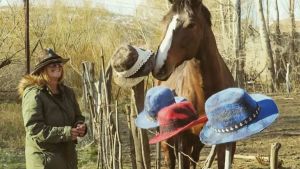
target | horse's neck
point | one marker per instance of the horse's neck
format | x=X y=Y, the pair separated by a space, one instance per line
x=187 y=82
x=215 y=73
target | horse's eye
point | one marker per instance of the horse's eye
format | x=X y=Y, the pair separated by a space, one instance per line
x=191 y=25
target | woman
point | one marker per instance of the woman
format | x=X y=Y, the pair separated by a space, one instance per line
x=51 y=115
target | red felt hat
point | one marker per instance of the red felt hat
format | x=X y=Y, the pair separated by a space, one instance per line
x=174 y=119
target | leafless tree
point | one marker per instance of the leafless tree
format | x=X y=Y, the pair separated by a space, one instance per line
x=267 y=47
x=239 y=59
x=268 y=16
x=277 y=56
x=292 y=59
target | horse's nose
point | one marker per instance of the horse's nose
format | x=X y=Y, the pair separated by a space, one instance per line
x=162 y=73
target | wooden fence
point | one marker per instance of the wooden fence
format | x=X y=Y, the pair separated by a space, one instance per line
x=108 y=135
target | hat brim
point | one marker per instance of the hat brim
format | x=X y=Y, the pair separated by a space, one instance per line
x=145 y=121
x=267 y=115
x=167 y=135
x=127 y=82
x=40 y=66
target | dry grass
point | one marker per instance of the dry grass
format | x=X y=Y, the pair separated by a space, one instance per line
x=11 y=126
x=81 y=34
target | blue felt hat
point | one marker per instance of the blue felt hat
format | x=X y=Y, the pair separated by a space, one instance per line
x=156 y=98
x=233 y=114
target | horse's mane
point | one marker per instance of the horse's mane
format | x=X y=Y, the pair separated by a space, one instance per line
x=189 y=6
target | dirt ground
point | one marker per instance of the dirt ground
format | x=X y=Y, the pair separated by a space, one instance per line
x=285 y=130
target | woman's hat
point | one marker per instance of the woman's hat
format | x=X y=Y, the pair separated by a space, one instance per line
x=174 y=119
x=126 y=62
x=233 y=115
x=156 y=98
x=48 y=57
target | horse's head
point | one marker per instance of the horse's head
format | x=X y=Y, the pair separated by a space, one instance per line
x=186 y=24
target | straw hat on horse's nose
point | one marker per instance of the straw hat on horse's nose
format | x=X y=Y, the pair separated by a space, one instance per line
x=233 y=114
x=131 y=64
x=47 y=57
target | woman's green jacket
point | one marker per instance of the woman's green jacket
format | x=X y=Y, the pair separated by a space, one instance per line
x=48 y=120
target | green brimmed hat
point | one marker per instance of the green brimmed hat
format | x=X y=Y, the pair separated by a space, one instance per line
x=48 y=57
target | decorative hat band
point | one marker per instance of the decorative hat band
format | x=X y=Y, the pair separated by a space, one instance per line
x=143 y=56
x=241 y=124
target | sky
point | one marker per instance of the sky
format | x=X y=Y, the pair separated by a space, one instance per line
x=283 y=6
x=123 y=7
x=128 y=7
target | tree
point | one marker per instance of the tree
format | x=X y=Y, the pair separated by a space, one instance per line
x=278 y=44
x=240 y=62
x=293 y=33
x=268 y=16
x=266 y=47
x=10 y=36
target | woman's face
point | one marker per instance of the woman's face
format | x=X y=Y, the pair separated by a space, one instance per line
x=54 y=71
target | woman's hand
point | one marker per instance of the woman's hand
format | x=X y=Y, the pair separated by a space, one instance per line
x=81 y=128
x=74 y=134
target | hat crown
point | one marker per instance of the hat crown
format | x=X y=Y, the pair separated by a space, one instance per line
x=175 y=116
x=124 y=58
x=128 y=60
x=47 y=55
x=158 y=98
x=229 y=108
x=233 y=114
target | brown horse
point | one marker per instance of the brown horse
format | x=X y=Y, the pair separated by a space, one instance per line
x=189 y=62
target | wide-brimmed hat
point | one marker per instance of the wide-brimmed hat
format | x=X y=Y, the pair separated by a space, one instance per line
x=176 y=118
x=123 y=78
x=233 y=114
x=156 y=98
x=48 y=57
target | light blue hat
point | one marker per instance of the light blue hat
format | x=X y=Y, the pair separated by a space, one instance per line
x=156 y=98
x=233 y=115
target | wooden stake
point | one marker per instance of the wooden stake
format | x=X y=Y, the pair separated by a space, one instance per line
x=210 y=158
x=180 y=150
x=27 y=38
x=131 y=140
x=158 y=153
x=228 y=155
x=118 y=138
x=274 y=155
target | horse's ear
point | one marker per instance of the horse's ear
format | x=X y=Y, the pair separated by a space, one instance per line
x=171 y=1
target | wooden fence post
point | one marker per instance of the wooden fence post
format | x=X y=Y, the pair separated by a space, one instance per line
x=228 y=155
x=274 y=155
x=210 y=158
x=132 y=148
x=138 y=96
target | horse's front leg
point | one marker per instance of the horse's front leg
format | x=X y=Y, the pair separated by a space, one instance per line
x=221 y=154
x=197 y=147
x=168 y=153
x=186 y=146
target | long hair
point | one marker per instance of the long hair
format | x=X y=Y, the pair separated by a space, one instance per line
x=42 y=79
